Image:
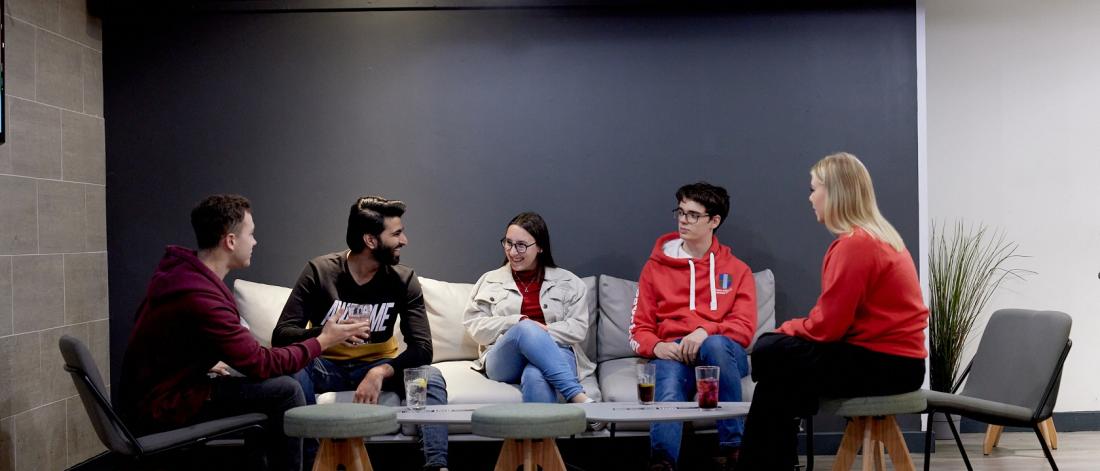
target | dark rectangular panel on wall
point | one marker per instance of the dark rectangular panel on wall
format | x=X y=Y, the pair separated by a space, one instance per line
x=592 y=117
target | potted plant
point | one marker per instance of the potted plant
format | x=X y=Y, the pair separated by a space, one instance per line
x=966 y=266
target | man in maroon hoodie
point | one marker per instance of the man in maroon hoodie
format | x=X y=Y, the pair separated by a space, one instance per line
x=696 y=306
x=188 y=329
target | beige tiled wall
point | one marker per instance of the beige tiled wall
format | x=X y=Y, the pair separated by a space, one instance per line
x=53 y=240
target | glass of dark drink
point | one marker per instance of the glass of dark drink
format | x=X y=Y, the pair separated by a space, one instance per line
x=647 y=382
x=706 y=384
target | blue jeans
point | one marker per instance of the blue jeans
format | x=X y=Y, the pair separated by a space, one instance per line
x=323 y=375
x=676 y=382
x=528 y=355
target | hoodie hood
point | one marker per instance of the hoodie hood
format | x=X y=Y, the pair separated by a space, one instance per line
x=180 y=271
x=667 y=244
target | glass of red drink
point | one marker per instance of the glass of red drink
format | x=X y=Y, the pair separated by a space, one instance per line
x=647 y=382
x=706 y=385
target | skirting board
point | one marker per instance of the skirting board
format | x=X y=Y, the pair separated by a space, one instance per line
x=1086 y=421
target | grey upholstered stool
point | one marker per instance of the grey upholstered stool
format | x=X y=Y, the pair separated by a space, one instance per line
x=873 y=427
x=528 y=431
x=340 y=428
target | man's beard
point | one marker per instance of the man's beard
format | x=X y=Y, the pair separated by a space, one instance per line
x=385 y=255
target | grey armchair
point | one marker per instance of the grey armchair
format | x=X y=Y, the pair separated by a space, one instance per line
x=1013 y=378
x=113 y=432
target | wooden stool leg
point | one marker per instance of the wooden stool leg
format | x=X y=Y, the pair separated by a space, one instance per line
x=548 y=455
x=878 y=449
x=992 y=436
x=894 y=442
x=350 y=453
x=870 y=449
x=1047 y=426
x=326 y=456
x=511 y=455
x=849 y=445
x=528 y=455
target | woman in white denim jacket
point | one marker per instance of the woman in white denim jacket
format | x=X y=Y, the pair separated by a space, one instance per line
x=529 y=316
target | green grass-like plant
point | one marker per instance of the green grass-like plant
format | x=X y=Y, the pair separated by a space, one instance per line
x=966 y=266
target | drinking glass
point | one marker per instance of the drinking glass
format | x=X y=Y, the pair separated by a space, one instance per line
x=416 y=388
x=647 y=382
x=706 y=384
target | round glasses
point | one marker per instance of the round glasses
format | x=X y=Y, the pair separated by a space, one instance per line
x=519 y=246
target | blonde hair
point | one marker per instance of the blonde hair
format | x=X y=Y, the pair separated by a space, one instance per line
x=850 y=200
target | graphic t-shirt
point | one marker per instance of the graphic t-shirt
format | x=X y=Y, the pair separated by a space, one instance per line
x=326 y=291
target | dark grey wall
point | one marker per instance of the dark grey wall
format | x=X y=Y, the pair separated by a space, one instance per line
x=591 y=117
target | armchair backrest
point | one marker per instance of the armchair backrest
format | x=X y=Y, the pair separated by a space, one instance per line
x=1019 y=359
x=89 y=384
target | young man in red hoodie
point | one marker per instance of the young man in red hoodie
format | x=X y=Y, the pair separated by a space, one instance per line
x=174 y=372
x=696 y=306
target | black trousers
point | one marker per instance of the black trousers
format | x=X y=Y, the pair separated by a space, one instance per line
x=792 y=373
x=233 y=395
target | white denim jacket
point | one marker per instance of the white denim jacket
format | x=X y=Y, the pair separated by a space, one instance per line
x=495 y=304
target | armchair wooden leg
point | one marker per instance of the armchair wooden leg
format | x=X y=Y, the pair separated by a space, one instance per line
x=1047 y=426
x=992 y=436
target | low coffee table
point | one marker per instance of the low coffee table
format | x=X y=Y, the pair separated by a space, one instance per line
x=443 y=414
x=627 y=412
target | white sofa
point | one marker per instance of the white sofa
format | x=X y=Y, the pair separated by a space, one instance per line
x=609 y=302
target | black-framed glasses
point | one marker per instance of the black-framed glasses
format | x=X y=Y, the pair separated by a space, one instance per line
x=692 y=217
x=519 y=246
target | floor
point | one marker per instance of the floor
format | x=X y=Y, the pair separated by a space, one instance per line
x=1016 y=452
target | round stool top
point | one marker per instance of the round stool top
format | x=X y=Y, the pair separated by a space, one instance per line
x=340 y=421
x=528 y=420
x=868 y=406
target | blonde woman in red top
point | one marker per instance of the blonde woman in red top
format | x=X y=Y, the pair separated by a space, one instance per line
x=865 y=335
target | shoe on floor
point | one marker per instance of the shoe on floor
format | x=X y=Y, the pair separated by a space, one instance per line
x=661 y=465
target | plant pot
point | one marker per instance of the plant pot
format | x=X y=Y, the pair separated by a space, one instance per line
x=940 y=428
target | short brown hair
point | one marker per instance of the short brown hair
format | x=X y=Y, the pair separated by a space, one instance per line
x=216 y=216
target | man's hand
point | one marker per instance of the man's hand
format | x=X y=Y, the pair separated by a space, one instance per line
x=346 y=332
x=220 y=369
x=690 y=344
x=668 y=351
x=371 y=386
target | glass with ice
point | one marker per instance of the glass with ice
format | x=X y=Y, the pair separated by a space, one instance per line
x=416 y=388
x=706 y=384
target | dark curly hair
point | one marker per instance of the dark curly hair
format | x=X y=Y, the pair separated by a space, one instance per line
x=216 y=216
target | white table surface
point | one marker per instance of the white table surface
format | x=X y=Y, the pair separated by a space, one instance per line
x=626 y=412
x=440 y=414
x=620 y=412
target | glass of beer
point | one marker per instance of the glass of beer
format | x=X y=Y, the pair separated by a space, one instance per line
x=706 y=384
x=647 y=382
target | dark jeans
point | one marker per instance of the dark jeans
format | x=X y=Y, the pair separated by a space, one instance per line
x=234 y=395
x=792 y=373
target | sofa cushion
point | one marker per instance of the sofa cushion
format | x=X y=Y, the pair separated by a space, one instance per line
x=468 y=386
x=765 y=303
x=590 y=297
x=446 y=303
x=616 y=300
x=260 y=306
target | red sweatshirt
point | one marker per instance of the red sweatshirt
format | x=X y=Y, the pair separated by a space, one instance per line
x=666 y=308
x=186 y=324
x=870 y=297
